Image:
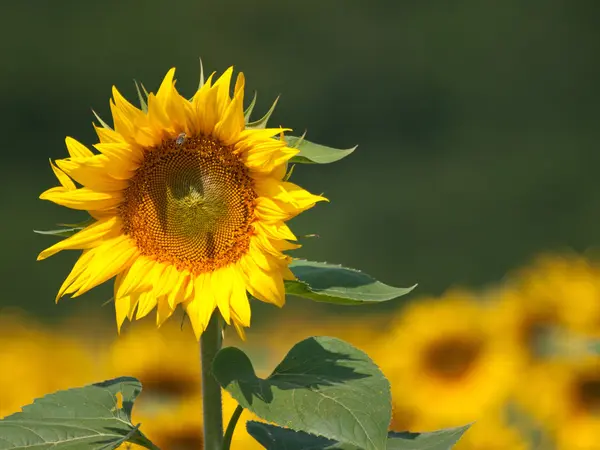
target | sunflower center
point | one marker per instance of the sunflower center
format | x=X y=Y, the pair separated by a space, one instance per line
x=191 y=204
x=452 y=358
x=587 y=394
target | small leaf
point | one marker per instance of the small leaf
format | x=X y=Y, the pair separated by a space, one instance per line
x=276 y=438
x=324 y=386
x=311 y=153
x=262 y=122
x=91 y=417
x=332 y=283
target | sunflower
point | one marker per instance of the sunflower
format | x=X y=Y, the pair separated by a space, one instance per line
x=564 y=395
x=189 y=206
x=446 y=362
x=560 y=291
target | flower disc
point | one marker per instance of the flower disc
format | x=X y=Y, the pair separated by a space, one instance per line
x=190 y=205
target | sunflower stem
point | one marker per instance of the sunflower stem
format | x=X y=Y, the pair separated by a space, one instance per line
x=231 y=427
x=210 y=344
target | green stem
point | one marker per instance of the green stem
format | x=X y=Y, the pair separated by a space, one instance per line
x=210 y=344
x=231 y=427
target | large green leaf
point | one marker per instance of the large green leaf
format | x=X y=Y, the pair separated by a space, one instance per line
x=332 y=283
x=97 y=416
x=324 y=386
x=276 y=438
x=311 y=153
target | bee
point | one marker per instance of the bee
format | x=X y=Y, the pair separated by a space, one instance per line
x=180 y=139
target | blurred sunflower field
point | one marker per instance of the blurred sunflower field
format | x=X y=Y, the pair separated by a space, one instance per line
x=517 y=359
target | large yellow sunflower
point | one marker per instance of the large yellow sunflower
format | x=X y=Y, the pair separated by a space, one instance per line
x=446 y=362
x=189 y=206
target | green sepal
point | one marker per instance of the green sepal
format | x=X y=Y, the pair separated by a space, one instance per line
x=311 y=153
x=90 y=417
x=262 y=122
x=249 y=109
x=272 y=437
x=331 y=283
x=102 y=122
x=201 y=81
x=323 y=386
x=70 y=229
x=143 y=104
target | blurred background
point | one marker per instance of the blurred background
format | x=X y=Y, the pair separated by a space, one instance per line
x=475 y=176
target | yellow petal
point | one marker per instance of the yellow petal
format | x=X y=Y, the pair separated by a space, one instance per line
x=275 y=230
x=163 y=311
x=222 y=85
x=92 y=178
x=223 y=280
x=122 y=304
x=177 y=293
x=146 y=303
x=238 y=302
x=136 y=279
x=77 y=149
x=89 y=237
x=84 y=199
x=73 y=280
x=265 y=286
x=232 y=122
x=109 y=259
x=63 y=178
x=270 y=212
x=106 y=135
x=172 y=103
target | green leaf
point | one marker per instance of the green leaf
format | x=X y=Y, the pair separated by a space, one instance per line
x=276 y=438
x=97 y=416
x=324 y=386
x=435 y=440
x=332 y=283
x=311 y=153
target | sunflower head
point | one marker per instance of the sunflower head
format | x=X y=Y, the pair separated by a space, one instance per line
x=564 y=396
x=447 y=362
x=189 y=206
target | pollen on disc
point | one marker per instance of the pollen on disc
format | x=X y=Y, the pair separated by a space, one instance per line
x=191 y=204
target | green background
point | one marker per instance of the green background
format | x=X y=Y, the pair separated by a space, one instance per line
x=477 y=123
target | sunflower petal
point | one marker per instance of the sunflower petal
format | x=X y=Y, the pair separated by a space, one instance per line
x=89 y=237
x=84 y=199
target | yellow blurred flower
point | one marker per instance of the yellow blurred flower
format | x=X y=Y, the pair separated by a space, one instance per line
x=167 y=362
x=446 y=362
x=560 y=291
x=565 y=397
x=492 y=433
x=37 y=361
